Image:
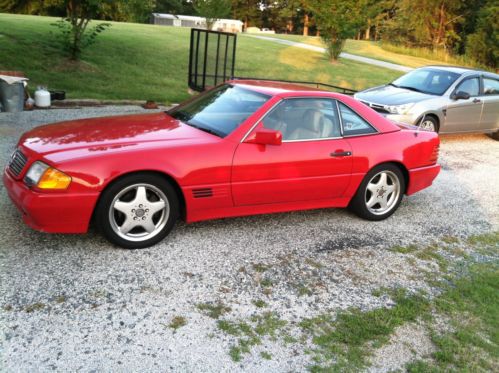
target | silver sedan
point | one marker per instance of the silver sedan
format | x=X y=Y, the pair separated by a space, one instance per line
x=444 y=99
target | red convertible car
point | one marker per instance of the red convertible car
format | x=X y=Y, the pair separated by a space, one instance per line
x=242 y=148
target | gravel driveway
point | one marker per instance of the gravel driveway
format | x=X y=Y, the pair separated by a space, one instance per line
x=73 y=302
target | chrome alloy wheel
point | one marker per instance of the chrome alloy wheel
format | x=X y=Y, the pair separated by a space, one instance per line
x=428 y=125
x=139 y=212
x=382 y=192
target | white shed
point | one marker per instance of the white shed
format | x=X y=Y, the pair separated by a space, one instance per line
x=226 y=25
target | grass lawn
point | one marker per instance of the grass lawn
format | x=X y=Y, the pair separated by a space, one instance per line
x=146 y=62
x=469 y=301
x=461 y=320
x=411 y=57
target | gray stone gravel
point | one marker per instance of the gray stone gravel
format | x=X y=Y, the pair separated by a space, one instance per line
x=71 y=302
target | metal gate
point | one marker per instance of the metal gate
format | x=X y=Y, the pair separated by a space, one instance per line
x=212 y=58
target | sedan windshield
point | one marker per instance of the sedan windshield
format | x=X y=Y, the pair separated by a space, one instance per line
x=431 y=81
x=221 y=110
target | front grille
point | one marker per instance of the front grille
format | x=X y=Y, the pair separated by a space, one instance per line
x=379 y=108
x=17 y=163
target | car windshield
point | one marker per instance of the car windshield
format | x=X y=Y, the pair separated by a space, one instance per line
x=431 y=81
x=221 y=110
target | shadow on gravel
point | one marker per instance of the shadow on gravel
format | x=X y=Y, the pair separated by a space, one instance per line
x=347 y=243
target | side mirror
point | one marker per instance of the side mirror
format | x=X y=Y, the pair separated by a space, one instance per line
x=265 y=136
x=461 y=95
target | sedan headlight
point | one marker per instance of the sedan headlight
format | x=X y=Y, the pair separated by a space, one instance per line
x=45 y=177
x=400 y=109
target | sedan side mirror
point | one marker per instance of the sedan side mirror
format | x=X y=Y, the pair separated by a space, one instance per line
x=265 y=136
x=461 y=95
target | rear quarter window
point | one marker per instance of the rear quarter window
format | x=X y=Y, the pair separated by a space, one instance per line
x=353 y=124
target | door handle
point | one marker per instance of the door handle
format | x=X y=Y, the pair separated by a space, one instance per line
x=341 y=154
x=476 y=101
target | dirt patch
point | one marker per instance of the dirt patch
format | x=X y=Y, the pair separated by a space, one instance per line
x=68 y=65
x=408 y=343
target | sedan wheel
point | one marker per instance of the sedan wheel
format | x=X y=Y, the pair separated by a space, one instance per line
x=429 y=123
x=380 y=193
x=137 y=211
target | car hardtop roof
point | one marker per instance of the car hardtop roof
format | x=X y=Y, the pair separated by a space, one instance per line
x=459 y=69
x=273 y=88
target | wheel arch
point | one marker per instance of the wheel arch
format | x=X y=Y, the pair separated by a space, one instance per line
x=400 y=166
x=432 y=115
x=170 y=179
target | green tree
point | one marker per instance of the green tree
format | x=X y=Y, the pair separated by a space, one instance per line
x=248 y=11
x=212 y=10
x=74 y=33
x=337 y=20
x=426 y=23
x=168 y=6
x=139 y=10
x=375 y=13
x=41 y=7
x=483 y=44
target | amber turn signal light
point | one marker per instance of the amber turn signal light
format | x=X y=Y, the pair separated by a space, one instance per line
x=54 y=179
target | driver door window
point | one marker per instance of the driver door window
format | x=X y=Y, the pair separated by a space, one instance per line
x=470 y=86
x=301 y=119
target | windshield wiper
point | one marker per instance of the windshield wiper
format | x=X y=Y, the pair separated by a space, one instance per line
x=411 y=88
x=208 y=130
x=393 y=85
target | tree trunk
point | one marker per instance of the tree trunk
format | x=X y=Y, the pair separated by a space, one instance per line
x=305 y=25
x=368 y=30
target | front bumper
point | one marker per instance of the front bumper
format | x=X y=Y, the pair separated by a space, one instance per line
x=61 y=212
x=420 y=178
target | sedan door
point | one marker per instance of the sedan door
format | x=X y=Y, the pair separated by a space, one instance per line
x=464 y=114
x=313 y=162
x=490 y=98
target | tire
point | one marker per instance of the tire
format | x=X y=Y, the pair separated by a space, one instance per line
x=137 y=211
x=428 y=123
x=375 y=191
x=495 y=135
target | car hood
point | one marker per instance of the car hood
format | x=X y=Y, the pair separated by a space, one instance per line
x=103 y=133
x=390 y=95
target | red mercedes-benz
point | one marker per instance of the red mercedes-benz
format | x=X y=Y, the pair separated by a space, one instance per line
x=242 y=148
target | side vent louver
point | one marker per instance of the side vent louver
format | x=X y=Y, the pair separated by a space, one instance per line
x=202 y=193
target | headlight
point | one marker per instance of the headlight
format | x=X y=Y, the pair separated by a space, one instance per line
x=35 y=172
x=46 y=177
x=400 y=109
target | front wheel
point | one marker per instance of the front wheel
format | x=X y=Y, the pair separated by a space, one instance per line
x=429 y=123
x=380 y=193
x=137 y=211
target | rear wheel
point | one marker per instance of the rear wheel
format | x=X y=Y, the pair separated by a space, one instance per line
x=137 y=211
x=380 y=193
